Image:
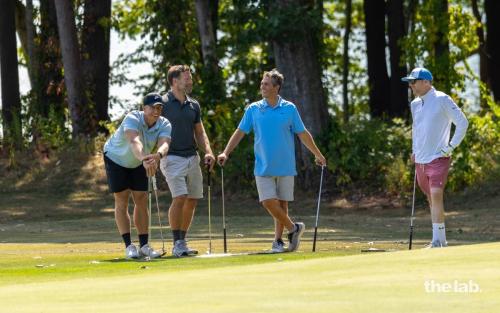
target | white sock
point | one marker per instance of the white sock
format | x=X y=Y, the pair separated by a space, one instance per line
x=439 y=232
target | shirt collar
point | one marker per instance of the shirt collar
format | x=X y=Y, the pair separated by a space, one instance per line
x=430 y=94
x=278 y=104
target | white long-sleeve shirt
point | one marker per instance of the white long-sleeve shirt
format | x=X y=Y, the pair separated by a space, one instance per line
x=432 y=115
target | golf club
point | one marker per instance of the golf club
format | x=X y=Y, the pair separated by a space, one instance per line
x=149 y=206
x=317 y=209
x=209 y=211
x=223 y=209
x=153 y=180
x=412 y=209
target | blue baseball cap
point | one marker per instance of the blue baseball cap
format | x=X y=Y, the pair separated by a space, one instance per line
x=419 y=73
x=152 y=99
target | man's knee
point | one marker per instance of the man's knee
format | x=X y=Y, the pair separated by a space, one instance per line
x=178 y=202
x=270 y=203
x=437 y=192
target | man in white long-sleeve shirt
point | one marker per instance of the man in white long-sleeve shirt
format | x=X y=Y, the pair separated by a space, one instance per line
x=433 y=112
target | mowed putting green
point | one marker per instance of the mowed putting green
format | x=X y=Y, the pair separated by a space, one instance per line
x=90 y=279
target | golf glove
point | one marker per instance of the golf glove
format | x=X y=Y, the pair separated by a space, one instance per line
x=446 y=151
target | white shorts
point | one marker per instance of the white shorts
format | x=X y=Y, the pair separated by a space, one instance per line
x=275 y=187
x=183 y=175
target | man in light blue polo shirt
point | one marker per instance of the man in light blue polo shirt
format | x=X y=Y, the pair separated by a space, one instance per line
x=129 y=162
x=275 y=121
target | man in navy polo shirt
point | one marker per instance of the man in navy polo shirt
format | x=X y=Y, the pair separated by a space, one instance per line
x=275 y=121
x=129 y=162
x=181 y=167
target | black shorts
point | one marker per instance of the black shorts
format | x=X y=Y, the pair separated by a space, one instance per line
x=121 y=178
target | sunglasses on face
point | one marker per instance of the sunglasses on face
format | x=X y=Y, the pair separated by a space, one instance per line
x=413 y=82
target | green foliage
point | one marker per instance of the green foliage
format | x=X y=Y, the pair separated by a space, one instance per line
x=363 y=153
x=372 y=153
x=479 y=154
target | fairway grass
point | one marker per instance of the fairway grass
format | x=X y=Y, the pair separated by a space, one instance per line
x=95 y=281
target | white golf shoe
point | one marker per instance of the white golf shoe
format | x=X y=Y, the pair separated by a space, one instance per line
x=131 y=252
x=147 y=251
x=436 y=244
x=294 y=237
x=180 y=248
x=278 y=246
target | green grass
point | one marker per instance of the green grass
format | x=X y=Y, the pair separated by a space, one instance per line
x=334 y=281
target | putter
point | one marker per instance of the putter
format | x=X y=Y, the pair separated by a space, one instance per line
x=209 y=211
x=317 y=209
x=412 y=209
x=223 y=209
x=153 y=180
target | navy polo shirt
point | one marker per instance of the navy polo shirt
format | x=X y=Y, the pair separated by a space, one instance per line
x=183 y=117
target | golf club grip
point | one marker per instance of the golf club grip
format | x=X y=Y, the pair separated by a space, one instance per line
x=411 y=238
x=225 y=241
x=209 y=177
x=314 y=239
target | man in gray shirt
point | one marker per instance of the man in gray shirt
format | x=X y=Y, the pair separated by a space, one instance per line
x=181 y=167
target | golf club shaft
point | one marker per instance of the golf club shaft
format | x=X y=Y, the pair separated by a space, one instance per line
x=153 y=179
x=223 y=209
x=209 y=211
x=317 y=209
x=149 y=207
x=410 y=241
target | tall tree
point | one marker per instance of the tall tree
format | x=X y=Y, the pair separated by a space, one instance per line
x=95 y=55
x=297 y=58
x=345 y=65
x=396 y=31
x=11 y=102
x=81 y=117
x=378 y=79
x=492 y=9
x=483 y=59
x=44 y=59
x=206 y=15
x=441 y=44
x=207 y=20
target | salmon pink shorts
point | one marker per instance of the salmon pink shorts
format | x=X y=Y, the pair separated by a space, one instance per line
x=433 y=174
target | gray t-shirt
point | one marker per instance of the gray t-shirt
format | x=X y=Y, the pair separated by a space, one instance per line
x=183 y=117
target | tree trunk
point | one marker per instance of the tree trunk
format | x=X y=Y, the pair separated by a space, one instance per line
x=396 y=30
x=492 y=9
x=95 y=51
x=483 y=60
x=73 y=75
x=30 y=43
x=11 y=101
x=378 y=79
x=442 y=65
x=297 y=59
x=345 y=72
x=206 y=14
x=207 y=17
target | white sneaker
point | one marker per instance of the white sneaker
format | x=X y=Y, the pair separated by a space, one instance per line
x=294 y=237
x=131 y=252
x=147 y=251
x=180 y=248
x=436 y=244
x=278 y=246
x=189 y=250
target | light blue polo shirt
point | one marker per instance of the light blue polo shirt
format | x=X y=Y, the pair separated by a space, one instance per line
x=117 y=147
x=274 y=130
